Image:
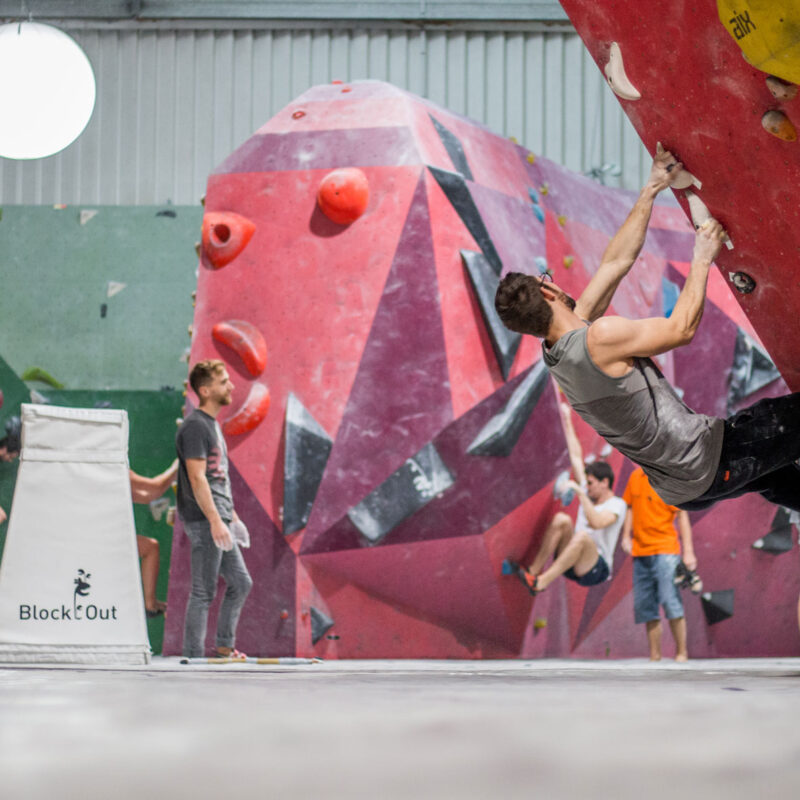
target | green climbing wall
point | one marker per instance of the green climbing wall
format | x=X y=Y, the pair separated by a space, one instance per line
x=59 y=267
x=14 y=393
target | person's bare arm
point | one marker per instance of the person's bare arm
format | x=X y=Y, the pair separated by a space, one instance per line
x=574 y=448
x=3 y=516
x=144 y=490
x=597 y=519
x=687 y=544
x=614 y=342
x=626 y=543
x=196 y=469
x=626 y=244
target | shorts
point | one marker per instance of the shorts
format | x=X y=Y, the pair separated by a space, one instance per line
x=654 y=585
x=597 y=574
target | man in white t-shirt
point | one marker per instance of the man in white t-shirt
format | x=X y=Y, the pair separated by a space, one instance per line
x=583 y=553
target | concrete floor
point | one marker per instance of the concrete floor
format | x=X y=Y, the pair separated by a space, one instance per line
x=392 y=729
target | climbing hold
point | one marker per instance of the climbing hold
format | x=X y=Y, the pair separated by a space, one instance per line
x=251 y=413
x=225 y=235
x=568 y=261
x=700 y=215
x=616 y=77
x=781 y=89
x=539 y=623
x=533 y=196
x=544 y=188
x=307 y=447
x=778 y=124
x=530 y=158
x=768 y=34
x=42 y=376
x=539 y=211
x=298 y=114
x=284 y=614
x=245 y=340
x=343 y=195
x=562 y=220
x=347 y=89
x=779 y=538
x=198 y=249
x=717 y=606
x=337 y=82
x=513 y=140
x=561 y=491
x=742 y=282
x=541 y=265
x=321 y=623
x=189 y=330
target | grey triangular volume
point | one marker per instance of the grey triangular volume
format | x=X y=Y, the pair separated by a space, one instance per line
x=484 y=282
x=717 y=606
x=457 y=191
x=422 y=478
x=454 y=148
x=501 y=433
x=321 y=623
x=307 y=449
x=752 y=369
x=779 y=538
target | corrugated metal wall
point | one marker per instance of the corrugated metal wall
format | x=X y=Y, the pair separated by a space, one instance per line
x=171 y=104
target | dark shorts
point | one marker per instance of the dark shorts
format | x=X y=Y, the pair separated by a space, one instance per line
x=759 y=449
x=597 y=574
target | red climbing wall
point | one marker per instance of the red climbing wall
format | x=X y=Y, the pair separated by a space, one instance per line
x=705 y=102
x=397 y=444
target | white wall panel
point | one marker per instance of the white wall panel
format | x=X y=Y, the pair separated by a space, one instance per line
x=173 y=103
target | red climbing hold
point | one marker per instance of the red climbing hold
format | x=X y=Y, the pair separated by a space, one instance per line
x=251 y=413
x=343 y=195
x=245 y=340
x=225 y=235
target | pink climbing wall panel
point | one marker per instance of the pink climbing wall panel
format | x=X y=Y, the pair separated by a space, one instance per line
x=410 y=443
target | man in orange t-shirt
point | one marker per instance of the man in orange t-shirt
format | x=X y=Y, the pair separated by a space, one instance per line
x=649 y=535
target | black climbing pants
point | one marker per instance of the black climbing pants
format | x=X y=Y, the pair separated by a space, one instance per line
x=759 y=449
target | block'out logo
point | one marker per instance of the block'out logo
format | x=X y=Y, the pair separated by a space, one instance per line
x=32 y=611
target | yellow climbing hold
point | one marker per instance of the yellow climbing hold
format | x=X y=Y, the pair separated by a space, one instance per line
x=562 y=220
x=767 y=32
x=544 y=188
x=568 y=261
x=513 y=140
x=539 y=623
x=531 y=158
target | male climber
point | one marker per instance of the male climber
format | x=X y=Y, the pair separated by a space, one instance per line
x=603 y=366
x=583 y=553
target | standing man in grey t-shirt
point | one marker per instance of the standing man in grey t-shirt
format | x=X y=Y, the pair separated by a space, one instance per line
x=604 y=368
x=205 y=506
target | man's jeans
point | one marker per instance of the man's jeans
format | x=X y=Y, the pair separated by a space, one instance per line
x=759 y=448
x=208 y=563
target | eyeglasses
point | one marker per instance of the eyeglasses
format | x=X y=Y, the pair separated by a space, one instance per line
x=546 y=277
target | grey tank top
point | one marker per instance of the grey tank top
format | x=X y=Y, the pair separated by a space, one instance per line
x=641 y=416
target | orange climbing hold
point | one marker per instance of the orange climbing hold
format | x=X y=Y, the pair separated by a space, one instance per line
x=225 y=235
x=251 y=413
x=778 y=124
x=245 y=340
x=343 y=195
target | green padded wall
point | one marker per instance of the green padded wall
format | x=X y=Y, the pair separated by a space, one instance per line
x=58 y=265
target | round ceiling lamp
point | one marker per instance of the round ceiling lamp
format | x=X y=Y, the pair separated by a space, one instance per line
x=47 y=93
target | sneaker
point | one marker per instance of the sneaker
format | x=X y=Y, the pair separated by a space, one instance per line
x=529 y=579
